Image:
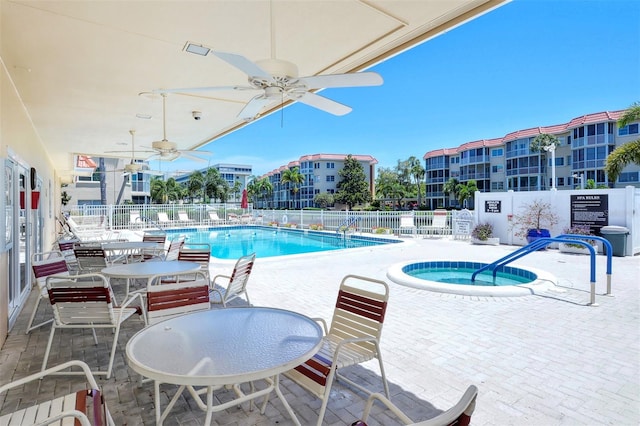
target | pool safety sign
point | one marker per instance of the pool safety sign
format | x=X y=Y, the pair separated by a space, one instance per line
x=492 y=206
x=591 y=210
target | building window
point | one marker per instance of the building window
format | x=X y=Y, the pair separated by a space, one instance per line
x=628 y=177
x=331 y=191
x=630 y=129
x=331 y=165
x=498 y=152
x=331 y=178
x=561 y=181
x=497 y=186
x=497 y=169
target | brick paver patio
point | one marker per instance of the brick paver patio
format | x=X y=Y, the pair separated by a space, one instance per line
x=545 y=359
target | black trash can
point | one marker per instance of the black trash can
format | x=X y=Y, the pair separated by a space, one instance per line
x=617 y=236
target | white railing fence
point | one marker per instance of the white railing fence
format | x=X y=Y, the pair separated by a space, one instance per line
x=121 y=217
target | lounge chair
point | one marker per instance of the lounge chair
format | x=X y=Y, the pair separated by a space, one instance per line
x=407 y=224
x=184 y=219
x=135 y=221
x=438 y=224
x=246 y=218
x=164 y=221
x=233 y=218
x=459 y=414
x=354 y=338
x=214 y=219
x=86 y=406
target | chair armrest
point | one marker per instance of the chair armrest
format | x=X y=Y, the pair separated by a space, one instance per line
x=324 y=324
x=213 y=281
x=395 y=410
x=129 y=301
x=85 y=368
x=80 y=417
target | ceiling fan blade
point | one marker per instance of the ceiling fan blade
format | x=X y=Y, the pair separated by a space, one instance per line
x=203 y=89
x=192 y=157
x=152 y=172
x=325 y=104
x=357 y=79
x=245 y=65
x=254 y=107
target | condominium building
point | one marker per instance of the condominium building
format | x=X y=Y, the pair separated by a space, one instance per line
x=231 y=173
x=120 y=185
x=321 y=175
x=507 y=163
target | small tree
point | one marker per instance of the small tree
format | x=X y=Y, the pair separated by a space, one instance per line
x=629 y=153
x=323 y=200
x=353 y=187
x=536 y=215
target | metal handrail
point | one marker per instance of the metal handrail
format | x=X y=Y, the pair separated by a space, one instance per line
x=564 y=238
x=346 y=223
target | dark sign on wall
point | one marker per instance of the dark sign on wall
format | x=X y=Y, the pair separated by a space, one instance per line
x=492 y=206
x=591 y=210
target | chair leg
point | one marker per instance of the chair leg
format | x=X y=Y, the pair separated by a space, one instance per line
x=30 y=325
x=48 y=350
x=113 y=350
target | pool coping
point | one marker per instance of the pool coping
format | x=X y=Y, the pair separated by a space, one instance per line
x=544 y=282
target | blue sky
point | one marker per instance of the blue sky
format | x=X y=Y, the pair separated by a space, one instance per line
x=529 y=63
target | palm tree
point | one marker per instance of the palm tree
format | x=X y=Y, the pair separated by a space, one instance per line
x=627 y=153
x=466 y=191
x=293 y=177
x=195 y=184
x=265 y=187
x=450 y=187
x=417 y=172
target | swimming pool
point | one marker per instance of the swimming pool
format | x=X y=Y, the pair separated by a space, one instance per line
x=445 y=276
x=236 y=241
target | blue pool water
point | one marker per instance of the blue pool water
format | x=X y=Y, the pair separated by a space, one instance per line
x=459 y=272
x=454 y=277
x=234 y=242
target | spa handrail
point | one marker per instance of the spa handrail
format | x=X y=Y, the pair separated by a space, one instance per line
x=564 y=238
x=347 y=223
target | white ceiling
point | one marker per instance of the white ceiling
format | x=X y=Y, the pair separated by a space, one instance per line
x=79 y=66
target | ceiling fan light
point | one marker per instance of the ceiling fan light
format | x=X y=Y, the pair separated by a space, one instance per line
x=132 y=168
x=197 y=49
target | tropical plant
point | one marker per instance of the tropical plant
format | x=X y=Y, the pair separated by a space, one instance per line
x=389 y=186
x=535 y=215
x=353 y=187
x=417 y=172
x=164 y=191
x=196 y=185
x=465 y=191
x=293 y=177
x=482 y=231
x=542 y=142
x=65 y=198
x=450 y=187
x=628 y=153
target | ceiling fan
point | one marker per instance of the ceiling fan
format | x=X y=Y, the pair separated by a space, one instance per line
x=277 y=80
x=133 y=166
x=166 y=150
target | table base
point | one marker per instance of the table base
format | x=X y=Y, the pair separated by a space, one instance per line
x=210 y=408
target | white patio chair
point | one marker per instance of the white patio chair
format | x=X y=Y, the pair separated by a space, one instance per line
x=214 y=219
x=87 y=406
x=172 y=251
x=438 y=224
x=236 y=283
x=90 y=259
x=198 y=253
x=163 y=220
x=135 y=221
x=184 y=219
x=86 y=301
x=458 y=415
x=45 y=264
x=354 y=338
x=165 y=301
x=407 y=224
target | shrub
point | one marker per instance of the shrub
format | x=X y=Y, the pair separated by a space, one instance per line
x=482 y=231
x=536 y=214
x=316 y=227
x=579 y=230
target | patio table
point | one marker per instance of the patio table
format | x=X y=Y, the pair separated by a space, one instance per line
x=223 y=347
x=125 y=249
x=147 y=270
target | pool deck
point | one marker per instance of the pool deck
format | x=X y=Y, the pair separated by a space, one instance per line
x=545 y=359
